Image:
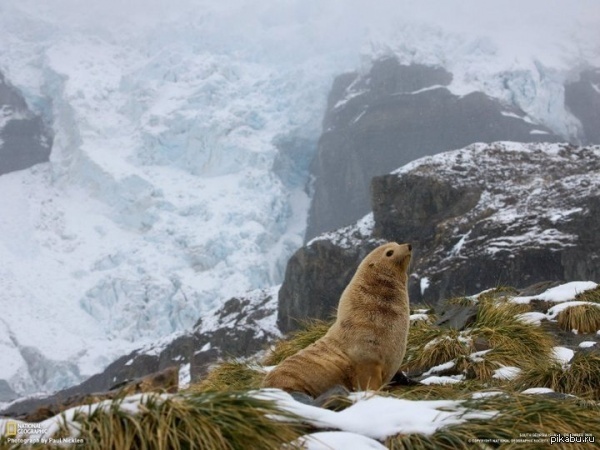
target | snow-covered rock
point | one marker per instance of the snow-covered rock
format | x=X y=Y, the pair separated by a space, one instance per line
x=502 y=213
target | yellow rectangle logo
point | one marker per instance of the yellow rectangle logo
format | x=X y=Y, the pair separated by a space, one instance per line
x=11 y=428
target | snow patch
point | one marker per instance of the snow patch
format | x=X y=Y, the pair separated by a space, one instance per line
x=365 y=416
x=561 y=293
x=556 y=310
x=480 y=395
x=440 y=368
x=415 y=317
x=185 y=376
x=424 y=284
x=338 y=440
x=538 y=390
x=350 y=236
x=562 y=355
x=587 y=344
x=506 y=373
x=532 y=318
x=451 y=379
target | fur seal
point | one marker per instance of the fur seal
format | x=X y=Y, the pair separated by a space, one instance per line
x=365 y=346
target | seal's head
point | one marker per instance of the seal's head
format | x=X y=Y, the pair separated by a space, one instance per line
x=388 y=262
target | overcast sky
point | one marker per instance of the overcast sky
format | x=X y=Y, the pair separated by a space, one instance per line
x=522 y=26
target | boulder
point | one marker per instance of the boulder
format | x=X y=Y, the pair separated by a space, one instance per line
x=487 y=215
x=25 y=140
x=389 y=116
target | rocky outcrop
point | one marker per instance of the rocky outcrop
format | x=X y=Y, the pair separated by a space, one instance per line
x=486 y=215
x=36 y=410
x=582 y=97
x=24 y=138
x=315 y=275
x=240 y=328
x=390 y=116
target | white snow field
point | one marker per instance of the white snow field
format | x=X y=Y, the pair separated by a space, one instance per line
x=183 y=135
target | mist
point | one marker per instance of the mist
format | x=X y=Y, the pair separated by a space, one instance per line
x=552 y=31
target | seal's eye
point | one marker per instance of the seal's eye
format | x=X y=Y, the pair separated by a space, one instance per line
x=389 y=253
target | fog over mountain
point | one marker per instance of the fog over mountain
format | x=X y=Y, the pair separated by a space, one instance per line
x=183 y=132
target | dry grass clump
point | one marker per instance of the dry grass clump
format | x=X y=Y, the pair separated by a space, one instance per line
x=205 y=421
x=461 y=301
x=429 y=346
x=583 y=318
x=591 y=295
x=479 y=368
x=511 y=342
x=581 y=377
x=230 y=376
x=310 y=332
x=455 y=391
x=499 y=292
x=520 y=417
x=498 y=324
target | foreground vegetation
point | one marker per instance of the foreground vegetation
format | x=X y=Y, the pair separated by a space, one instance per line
x=488 y=364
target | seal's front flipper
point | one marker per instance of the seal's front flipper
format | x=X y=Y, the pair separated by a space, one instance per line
x=302 y=397
x=400 y=379
x=335 y=398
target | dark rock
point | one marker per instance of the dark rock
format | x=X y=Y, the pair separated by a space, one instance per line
x=401 y=379
x=509 y=235
x=6 y=393
x=481 y=344
x=582 y=97
x=335 y=398
x=36 y=410
x=315 y=278
x=513 y=215
x=302 y=397
x=24 y=138
x=458 y=317
x=393 y=115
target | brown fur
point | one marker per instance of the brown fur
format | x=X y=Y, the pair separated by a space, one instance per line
x=365 y=346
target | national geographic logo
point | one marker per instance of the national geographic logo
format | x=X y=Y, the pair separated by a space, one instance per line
x=11 y=429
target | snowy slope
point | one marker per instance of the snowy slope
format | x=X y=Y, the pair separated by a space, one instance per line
x=160 y=200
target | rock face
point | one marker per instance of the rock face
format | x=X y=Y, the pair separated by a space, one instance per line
x=486 y=215
x=582 y=97
x=393 y=115
x=241 y=327
x=24 y=139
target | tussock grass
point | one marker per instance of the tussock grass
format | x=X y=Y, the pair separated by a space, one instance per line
x=230 y=376
x=205 y=421
x=519 y=415
x=499 y=292
x=513 y=341
x=461 y=301
x=480 y=368
x=581 y=377
x=310 y=332
x=430 y=346
x=583 y=318
x=455 y=391
x=495 y=313
x=591 y=295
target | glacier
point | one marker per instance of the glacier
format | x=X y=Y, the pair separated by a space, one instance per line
x=179 y=171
